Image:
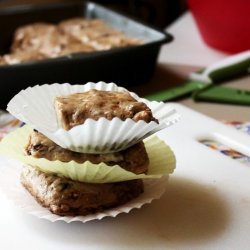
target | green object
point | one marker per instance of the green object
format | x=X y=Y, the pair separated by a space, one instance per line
x=203 y=86
x=204 y=92
x=230 y=71
x=223 y=95
x=176 y=92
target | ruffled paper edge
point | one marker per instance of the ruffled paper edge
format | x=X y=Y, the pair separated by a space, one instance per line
x=161 y=157
x=41 y=115
x=13 y=190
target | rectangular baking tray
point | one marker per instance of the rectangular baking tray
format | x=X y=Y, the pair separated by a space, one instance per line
x=128 y=66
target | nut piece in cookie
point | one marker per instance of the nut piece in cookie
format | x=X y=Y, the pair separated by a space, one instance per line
x=133 y=159
x=74 y=109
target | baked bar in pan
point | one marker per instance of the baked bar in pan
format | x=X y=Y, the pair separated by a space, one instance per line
x=74 y=47
x=22 y=56
x=96 y=33
x=41 y=37
x=40 y=40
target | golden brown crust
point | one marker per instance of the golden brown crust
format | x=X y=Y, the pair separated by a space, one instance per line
x=22 y=56
x=85 y=29
x=74 y=109
x=40 y=37
x=96 y=33
x=2 y=62
x=75 y=47
x=66 y=197
x=133 y=159
x=40 y=41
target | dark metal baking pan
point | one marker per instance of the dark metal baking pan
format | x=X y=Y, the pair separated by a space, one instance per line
x=126 y=66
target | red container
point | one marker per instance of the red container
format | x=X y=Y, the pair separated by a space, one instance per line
x=223 y=24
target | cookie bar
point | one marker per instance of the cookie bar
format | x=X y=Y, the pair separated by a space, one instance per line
x=66 y=197
x=133 y=159
x=74 y=109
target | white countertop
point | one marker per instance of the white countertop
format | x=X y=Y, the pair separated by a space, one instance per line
x=206 y=205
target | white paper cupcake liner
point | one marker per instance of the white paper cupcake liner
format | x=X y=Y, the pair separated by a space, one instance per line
x=35 y=106
x=14 y=191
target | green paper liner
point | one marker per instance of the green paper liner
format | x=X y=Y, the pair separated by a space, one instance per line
x=161 y=157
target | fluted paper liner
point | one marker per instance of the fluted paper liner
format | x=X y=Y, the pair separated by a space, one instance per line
x=35 y=106
x=14 y=191
x=161 y=157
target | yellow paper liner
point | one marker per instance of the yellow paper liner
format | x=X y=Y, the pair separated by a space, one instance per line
x=162 y=161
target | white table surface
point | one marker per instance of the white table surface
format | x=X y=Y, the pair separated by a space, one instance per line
x=206 y=205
